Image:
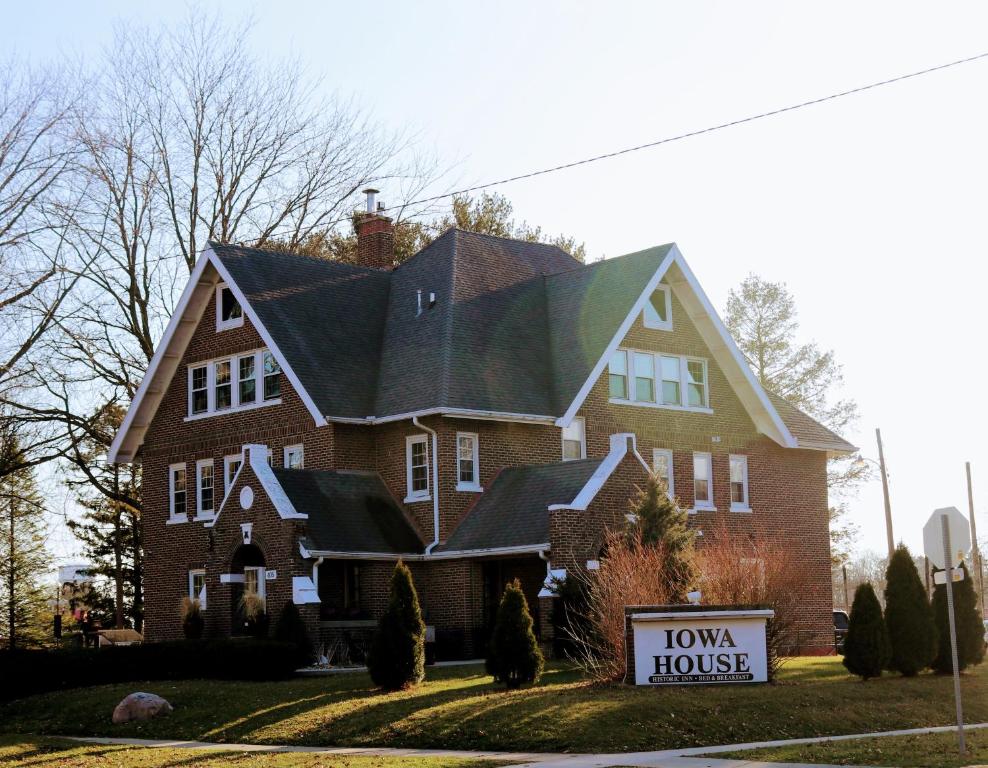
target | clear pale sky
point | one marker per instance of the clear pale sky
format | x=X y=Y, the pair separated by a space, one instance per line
x=871 y=208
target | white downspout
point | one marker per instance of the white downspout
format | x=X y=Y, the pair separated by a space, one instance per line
x=435 y=483
x=315 y=572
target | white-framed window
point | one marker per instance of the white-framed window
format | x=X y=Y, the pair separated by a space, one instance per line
x=205 y=488
x=703 y=484
x=644 y=377
x=662 y=466
x=177 y=498
x=467 y=461
x=658 y=310
x=272 y=376
x=198 y=389
x=417 y=467
x=231 y=465
x=294 y=457
x=231 y=383
x=659 y=381
x=575 y=440
x=229 y=313
x=617 y=375
x=739 y=484
x=197 y=586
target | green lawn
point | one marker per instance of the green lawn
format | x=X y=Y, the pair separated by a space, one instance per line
x=19 y=752
x=458 y=707
x=937 y=750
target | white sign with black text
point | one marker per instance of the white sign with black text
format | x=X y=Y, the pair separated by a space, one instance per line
x=700 y=647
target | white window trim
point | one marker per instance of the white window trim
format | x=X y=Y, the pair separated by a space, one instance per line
x=583 y=439
x=201 y=597
x=746 y=505
x=660 y=325
x=235 y=404
x=657 y=387
x=227 y=478
x=667 y=452
x=707 y=505
x=200 y=514
x=289 y=449
x=413 y=496
x=473 y=486
x=172 y=517
x=221 y=324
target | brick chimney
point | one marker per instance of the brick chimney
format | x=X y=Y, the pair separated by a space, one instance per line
x=375 y=236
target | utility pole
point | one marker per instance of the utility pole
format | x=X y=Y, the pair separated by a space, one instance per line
x=885 y=491
x=974 y=537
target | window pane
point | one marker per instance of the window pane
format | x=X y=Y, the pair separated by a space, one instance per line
x=272 y=378
x=619 y=363
x=670 y=368
x=223 y=386
x=645 y=390
x=670 y=381
x=655 y=308
x=200 y=401
x=248 y=380
x=737 y=469
x=231 y=307
x=697 y=396
x=574 y=431
x=701 y=467
x=466 y=470
x=737 y=493
x=670 y=392
x=420 y=472
x=662 y=466
x=696 y=375
x=644 y=377
x=618 y=386
x=572 y=449
x=206 y=488
x=701 y=490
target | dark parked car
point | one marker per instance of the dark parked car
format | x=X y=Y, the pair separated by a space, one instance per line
x=841 y=623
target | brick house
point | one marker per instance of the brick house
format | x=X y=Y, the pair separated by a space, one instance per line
x=482 y=411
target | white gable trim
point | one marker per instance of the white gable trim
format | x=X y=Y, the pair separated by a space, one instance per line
x=257 y=456
x=619 y=449
x=165 y=361
x=715 y=335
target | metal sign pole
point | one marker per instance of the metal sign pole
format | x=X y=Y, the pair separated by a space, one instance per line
x=949 y=562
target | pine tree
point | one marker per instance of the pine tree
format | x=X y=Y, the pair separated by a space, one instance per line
x=23 y=559
x=291 y=629
x=514 y=656
x=397 y=656
x=110 y=530
x=866 y=648
x=967 y=621
x=658 y=521
x=908 y=616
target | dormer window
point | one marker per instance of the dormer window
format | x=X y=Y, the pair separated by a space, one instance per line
x=658 y=310
x=229 y=313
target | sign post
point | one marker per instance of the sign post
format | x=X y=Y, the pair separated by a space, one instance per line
x=946 y=537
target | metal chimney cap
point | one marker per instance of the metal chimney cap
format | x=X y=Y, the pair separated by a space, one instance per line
x=371 y=199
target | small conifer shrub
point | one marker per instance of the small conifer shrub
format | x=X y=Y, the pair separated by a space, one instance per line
x=908 y=616
x=397 y=655
x=291 y=629
x=192 y=621
x=967 y=620
x=514 y=656
x=866 y=648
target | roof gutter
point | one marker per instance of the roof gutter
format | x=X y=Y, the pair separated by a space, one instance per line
x=461 y=413
x=525 y=549
x=435 y=482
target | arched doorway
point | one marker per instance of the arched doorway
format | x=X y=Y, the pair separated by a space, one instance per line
x=249 y=596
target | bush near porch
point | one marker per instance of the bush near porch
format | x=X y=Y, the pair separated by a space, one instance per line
x=461 y=708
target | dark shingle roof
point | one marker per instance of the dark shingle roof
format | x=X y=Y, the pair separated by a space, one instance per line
x=514 y=510
x=325 y=317
x=349 y=512
x=805 y=428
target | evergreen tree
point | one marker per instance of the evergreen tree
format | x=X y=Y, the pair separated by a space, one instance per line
x=658 y=521
x=908 y=616
x=397 y=656
x=967 y=621
x=291 y=629
x=110 y=529
x=514 y=656
x=866 y=648
x=23 y=559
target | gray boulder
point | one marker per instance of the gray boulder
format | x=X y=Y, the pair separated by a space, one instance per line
x=140 y=706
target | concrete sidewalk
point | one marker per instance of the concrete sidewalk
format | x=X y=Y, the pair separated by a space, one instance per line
x=667 y=758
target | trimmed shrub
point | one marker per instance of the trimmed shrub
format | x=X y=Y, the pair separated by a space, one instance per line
x=866 y=649
x=967 y=619
x=514 y=656
x=908 y=616
x=397 y=655
x=27 y=672
x=291 y=629
x=192 y=621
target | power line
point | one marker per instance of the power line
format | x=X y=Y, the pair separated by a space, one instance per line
x=700 y=132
